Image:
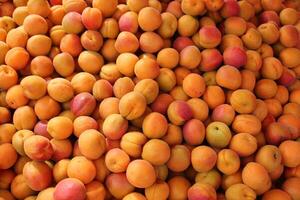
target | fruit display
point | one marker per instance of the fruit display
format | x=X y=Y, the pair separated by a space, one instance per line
x=149 y=99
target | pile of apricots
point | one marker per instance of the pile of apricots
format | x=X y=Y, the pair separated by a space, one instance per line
x=149 y=99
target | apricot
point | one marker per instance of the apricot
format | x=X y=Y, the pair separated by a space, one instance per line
x=15 y=97
x=148 y=88
x=243 y=101
x=95 y=190
x=266 y=88
x=35 y=25
x=107 y=9
x=132 y=105
x=191 y=7
x=288 y=16
x=60 y=127
x=269 y=156
x=39 y=45
x=60 y=89
x=224 y=77
x=18 y=140
x=269 y=32
x=19 y=188
x=210 y=96
x=91 y=40
x=149 y=19
x=180 y=158
x=41 y=66
x=203 y=158
x=86 y=167
x=168 y=26
x=210 y=60
x=38 y=175
x=62 y=149
x=154 y=46
x=129 y=22
x=259 y=185
x=8 y=155
x=210 y=37
x=71 y=44
x=126 y=42
x=24 y=118
x=291 y=186
x=156 y=151
x=276 y=194
x=8 y=77
x=178 y=187
x=134 y=196
x=289 y=160
x=179 y=112
x=201 y=190
x=117 y=160
x=244 y=144
x=235 y=56
x=140 y=178
x=238 y=191
x=114 y=126
x=17 y=58
x=69 y=188
x=83 y=104
x=118 y=185
x=230 y=8
x=194 y=132
x=132 y=143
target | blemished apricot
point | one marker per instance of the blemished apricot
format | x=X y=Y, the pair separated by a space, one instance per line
x=15 y=97
x=38 y=175
x=224 y=77
x=8 y=78
x=91 y=139
x=270 y=157
x=70 y=188
x=270 y=33
x=168 y=26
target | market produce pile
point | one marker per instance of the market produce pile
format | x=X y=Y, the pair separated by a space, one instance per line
x=149 y=99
